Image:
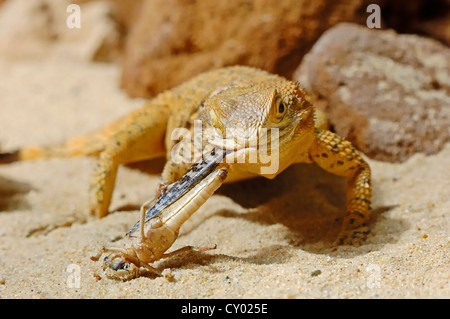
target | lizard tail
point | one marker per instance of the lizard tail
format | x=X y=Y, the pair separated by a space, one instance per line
x=90 y=144
x=86 y=145
x=10 y=157
x=29 y=153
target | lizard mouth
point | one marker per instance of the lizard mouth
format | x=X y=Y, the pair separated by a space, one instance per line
x=265 y=140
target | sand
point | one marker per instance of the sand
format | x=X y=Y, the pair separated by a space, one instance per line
x=273 y=237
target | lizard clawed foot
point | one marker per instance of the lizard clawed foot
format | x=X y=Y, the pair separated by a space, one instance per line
x=354 y=237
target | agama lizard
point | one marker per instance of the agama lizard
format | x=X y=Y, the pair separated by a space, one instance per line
x=233 y=105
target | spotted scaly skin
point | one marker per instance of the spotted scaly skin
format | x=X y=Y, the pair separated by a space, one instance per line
x=239 y=101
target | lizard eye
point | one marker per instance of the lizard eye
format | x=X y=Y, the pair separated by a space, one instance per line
x=280 y=109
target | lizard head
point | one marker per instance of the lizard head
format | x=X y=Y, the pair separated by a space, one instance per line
x=274 y=116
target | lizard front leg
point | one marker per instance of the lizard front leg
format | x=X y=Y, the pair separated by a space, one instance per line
x=142 y=138
x=337 y=155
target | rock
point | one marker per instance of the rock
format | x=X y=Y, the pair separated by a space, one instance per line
x=171 y=41
x=385 y=92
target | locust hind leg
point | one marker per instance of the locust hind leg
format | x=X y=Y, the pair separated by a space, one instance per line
x=336 y=155
x=142 y=137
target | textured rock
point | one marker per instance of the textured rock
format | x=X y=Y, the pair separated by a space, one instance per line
x=173 y=40
x=387 y=93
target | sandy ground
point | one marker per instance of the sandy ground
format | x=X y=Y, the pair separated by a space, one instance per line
x=273 y=237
